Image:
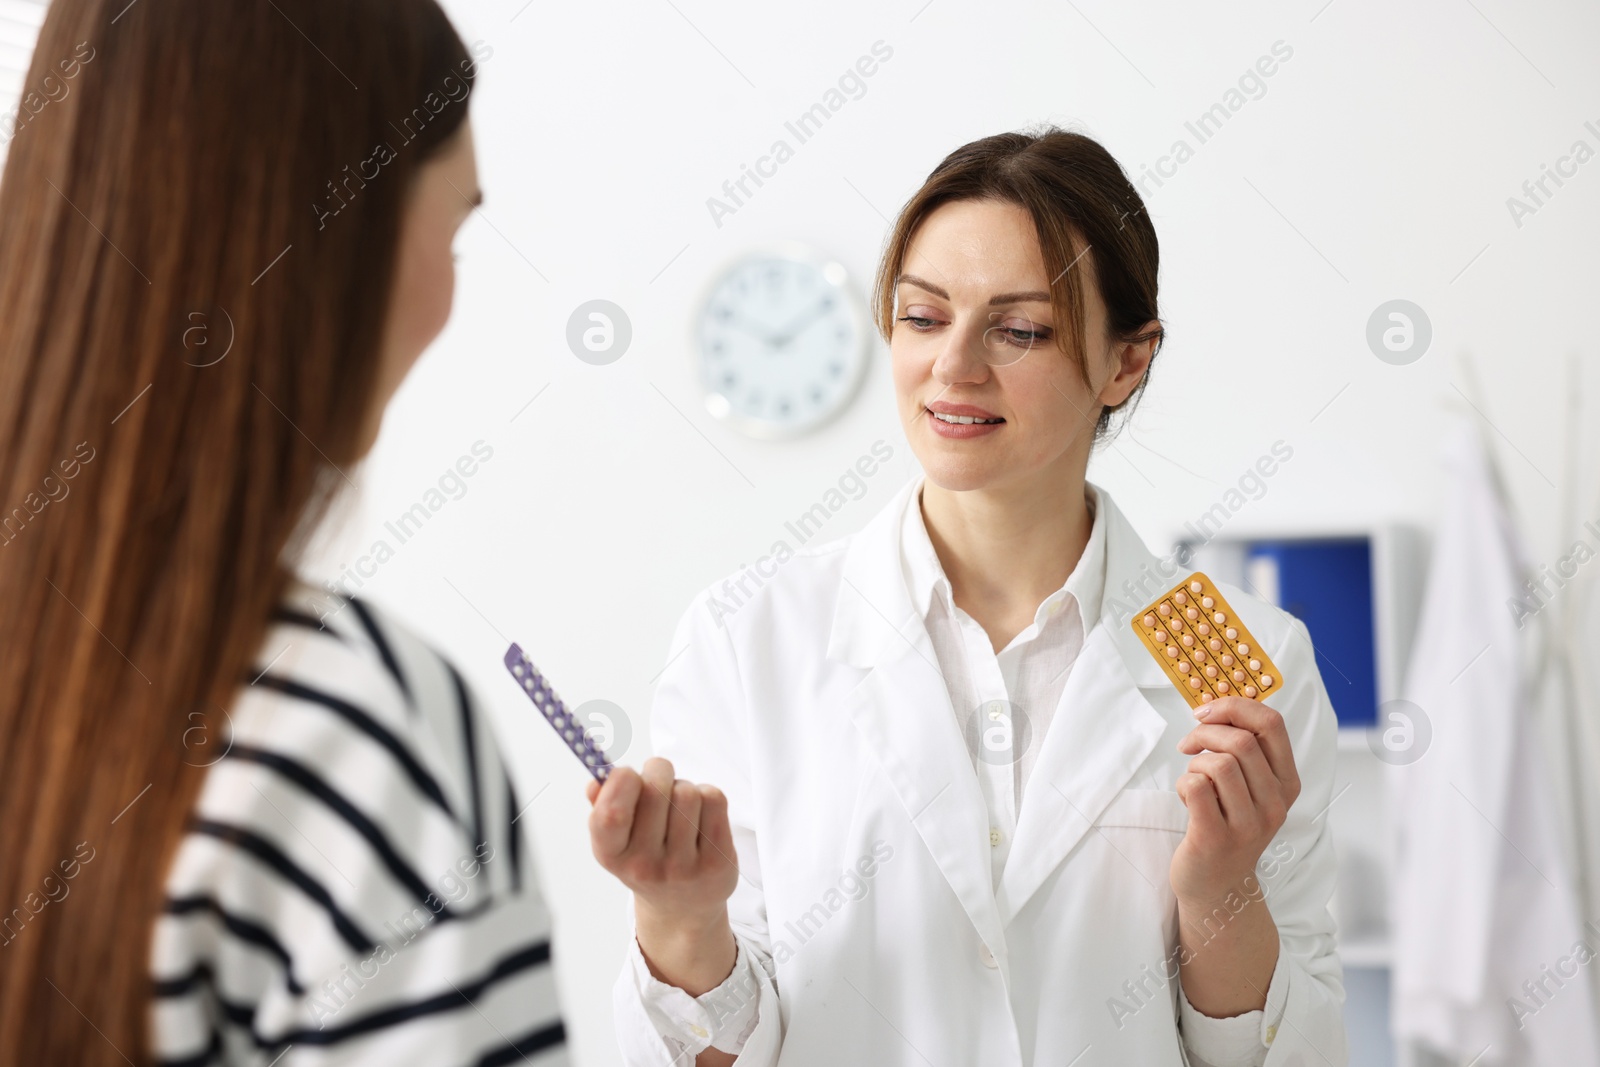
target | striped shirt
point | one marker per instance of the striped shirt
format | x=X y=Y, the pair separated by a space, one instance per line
x=352 y=888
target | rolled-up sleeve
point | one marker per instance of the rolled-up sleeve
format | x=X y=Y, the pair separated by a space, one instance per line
x=682 y=1026
x=1238 y=1040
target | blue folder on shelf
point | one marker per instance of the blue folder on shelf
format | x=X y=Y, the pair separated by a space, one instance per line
x=1327 y=584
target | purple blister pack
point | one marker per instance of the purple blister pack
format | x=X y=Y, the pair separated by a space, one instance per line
x=562 y=721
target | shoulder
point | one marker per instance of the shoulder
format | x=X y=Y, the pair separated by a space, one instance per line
x=350 y=723
x=352 y=648
x=393 y=682
x=798 y=578
x=782 y=585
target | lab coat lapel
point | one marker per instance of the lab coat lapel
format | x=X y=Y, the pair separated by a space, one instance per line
x=1103 y=730
x=1104 y=727
x=902 y=710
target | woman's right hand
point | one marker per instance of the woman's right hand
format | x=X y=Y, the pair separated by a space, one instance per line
x=669 y=841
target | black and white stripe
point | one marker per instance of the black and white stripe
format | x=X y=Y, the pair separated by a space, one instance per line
x=351 y=888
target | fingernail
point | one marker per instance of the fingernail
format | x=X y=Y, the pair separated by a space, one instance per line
x=1201 y=712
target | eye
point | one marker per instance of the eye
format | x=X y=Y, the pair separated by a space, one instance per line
x=918 y=323
x=1026 y=335
x=1027 y=338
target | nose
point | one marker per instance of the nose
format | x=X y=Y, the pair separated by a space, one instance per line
x=961 y=356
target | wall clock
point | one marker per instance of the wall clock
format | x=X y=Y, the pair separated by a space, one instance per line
x=783 y=342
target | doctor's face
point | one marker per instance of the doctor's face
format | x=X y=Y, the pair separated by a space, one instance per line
x=975 y=339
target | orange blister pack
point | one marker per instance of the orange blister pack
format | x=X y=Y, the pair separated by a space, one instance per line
x=1203 y=646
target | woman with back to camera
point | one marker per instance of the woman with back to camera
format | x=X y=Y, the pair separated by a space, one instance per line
x=244 y=821
x=953 y=811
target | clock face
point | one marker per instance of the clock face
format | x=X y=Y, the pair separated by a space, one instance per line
x=783 y=344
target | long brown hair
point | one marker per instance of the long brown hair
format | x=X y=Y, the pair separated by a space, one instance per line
x=198 y=231
x=1083 y=207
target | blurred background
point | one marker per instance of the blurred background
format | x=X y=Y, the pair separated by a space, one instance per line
x=1396 y=161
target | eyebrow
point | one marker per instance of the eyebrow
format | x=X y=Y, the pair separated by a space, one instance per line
x=1033 y=296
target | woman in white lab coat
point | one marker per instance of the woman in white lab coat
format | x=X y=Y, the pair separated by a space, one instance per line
x=951 y=812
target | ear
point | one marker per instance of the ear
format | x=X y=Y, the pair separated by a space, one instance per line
x=1132 y=362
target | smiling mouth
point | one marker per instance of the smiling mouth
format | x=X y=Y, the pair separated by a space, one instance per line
x=962 y=420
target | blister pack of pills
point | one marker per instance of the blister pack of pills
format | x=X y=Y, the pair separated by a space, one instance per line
x=566 y=726
x=1203 y=646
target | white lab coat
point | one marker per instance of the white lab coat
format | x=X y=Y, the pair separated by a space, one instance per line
x=1488 y=964
x=817 y=707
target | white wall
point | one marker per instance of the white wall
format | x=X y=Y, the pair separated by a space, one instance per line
x=1377 y=165
x=19 y=29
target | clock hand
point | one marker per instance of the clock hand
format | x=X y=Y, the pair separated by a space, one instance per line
x=748 y=327
x=799 y=325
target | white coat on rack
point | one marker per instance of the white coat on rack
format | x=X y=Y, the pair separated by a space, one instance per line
x=1484 y=910
x=1567 y=624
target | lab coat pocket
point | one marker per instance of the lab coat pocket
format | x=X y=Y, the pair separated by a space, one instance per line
x=1142 y=828
x=1152 y=809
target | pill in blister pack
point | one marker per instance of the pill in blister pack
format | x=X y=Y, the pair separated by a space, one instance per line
x=1203 y=646
x=565 y=724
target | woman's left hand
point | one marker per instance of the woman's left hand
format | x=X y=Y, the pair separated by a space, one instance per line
x=1238 y=789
